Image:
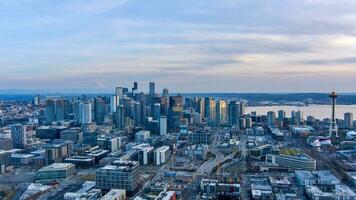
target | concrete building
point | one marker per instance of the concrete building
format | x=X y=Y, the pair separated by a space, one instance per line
x=73 y=134
x=348 y=120
x=118 y=175
x=55 y=172
x=199 y=137
x=142 y=136
x=161 y=155
x=298 y=162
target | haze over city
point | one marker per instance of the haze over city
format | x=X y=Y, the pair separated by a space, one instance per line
x=185 y=45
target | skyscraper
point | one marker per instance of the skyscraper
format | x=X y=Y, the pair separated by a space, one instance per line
x=50 y=111
x=165 y=102
x=85 y=114
x=113 y=103
x=101 y=108
x=119 y=92
x=234 y=113
x=221 y=112
x=175 y=111
x=37 y=100
x=271 y=118
x=348 y=120
x=210 y=106
x=163 y=125
x=152 y=89
x=18 y=134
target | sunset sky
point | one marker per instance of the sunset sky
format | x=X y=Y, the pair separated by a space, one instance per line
x=184 y=45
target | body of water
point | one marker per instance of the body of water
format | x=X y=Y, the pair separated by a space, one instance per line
x=317 y=111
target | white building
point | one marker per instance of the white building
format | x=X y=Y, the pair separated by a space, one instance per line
x=115 y=194
x=85 y=114
x=161 y=155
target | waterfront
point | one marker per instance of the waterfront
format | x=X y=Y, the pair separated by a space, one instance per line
x=318 y=111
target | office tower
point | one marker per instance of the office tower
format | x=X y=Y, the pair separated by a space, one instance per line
x=271 y=118
x=72 y=134
x=234 y=113
x=119 y=117
x=134 y=89
x=152 y=89
x=59 y=109
x=248 y=122
x=114 y=100
x=50 y=111
x=242 y=108
x=118 y=175
x=165 y=102
x=281 y=117
x=242 y=123
x=84 y=113
x=138 y=113
x=156 y=111
x=37 y=100
x=201 y=108
x=163 y=125
x=161 y=155
x=298 y=118
x=19 y=135
x=175 y=111
x=333 y=124
x=221 y=112
x=348 y=120
x=119 y=92
x=101 y=108
x=211 y=111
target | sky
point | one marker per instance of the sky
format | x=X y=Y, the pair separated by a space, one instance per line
x=184 y=45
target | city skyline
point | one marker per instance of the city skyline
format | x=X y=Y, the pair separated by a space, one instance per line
x=240 y=46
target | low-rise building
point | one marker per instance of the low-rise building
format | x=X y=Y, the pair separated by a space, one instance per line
x=115 y=194
x=55 y=172
x=118 y=175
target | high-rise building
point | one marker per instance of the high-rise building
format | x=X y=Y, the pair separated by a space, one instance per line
x=281 y=117
x=242 y=108
x=175 y=111
x=210 y=106
x=37 y=100
x=271 y=118
x=50 y=111
x=119 y=92
x=161 y=155
x=163 y=125
x=165 y=102
x=348 y=120
x=234 y=113
x=19 y=135
x=152 y=89
x=101 y=108
x=221 y=112
x=84 y=113
x=114 y=102
x=156 y=111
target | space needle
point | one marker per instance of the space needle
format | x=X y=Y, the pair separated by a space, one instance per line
x=333 y=125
